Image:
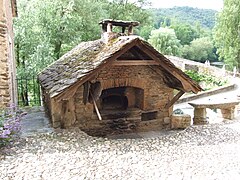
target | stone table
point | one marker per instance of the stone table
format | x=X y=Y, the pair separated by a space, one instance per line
x=227 y=109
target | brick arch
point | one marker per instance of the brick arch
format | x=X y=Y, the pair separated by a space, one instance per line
x=121 y=82
x=136 y=83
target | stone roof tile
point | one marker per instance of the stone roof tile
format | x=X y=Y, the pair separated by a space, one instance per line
x=85 y=58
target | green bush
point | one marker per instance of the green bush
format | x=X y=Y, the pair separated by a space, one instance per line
x=208 y=79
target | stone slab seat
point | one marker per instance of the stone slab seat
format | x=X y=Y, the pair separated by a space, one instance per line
x=227 y=109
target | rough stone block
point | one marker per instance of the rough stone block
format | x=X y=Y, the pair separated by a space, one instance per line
x=167 y=120
x=200 y=116
x=56 y=124
x=228 y=113
x=153 y=96
x=180 y=121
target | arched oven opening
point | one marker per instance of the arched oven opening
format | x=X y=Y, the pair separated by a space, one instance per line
x=121 y=102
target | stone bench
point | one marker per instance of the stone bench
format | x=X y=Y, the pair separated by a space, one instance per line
x=227 y=110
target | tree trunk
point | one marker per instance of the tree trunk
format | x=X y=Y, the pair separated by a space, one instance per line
x=57 y=49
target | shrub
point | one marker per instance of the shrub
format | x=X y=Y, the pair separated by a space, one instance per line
x=9 y=124
x=207 y=79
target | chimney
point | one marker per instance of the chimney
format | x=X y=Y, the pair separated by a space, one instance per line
x=107 y=27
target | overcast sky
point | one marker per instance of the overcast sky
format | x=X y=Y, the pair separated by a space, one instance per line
x=205 y=4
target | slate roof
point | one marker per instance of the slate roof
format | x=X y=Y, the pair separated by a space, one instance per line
x=86 y=57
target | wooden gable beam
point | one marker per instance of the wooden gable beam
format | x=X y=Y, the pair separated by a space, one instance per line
x=188 y=87
x=95 y=106
x=135 y=52
x=165 y=78
x=134 y=62
x=175 y=98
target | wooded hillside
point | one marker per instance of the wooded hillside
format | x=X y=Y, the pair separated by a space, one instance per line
x=186 y=15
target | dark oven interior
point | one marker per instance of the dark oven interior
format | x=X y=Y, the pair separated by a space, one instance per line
x=121 y=102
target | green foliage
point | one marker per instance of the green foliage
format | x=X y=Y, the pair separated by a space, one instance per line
x=131 y=11
x=209 y=80
x=127 y=10
x=185 y=33
x=145 y=31
x=29 y=93
x=45 y=30
x=227 y=33
x=200 y=49
x=192 y=27
x=185 y=15
x=165 y=41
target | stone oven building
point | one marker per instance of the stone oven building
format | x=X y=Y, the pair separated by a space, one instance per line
x=8 y=90
x=118 y=83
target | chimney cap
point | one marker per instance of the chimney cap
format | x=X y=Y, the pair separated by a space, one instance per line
x=119 y=23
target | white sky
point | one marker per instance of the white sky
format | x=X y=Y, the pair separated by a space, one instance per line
x=204 y=4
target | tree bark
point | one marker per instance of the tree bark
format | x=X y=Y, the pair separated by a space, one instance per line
x=57 y=49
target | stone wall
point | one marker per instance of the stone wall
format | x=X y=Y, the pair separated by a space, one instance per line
x=156 y=96
x=7 y=64
x=46 y=103
x=185 y=64
x=84 y=113
x=156 y=93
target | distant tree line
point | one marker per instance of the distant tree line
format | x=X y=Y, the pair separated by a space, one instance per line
x=45 y=30
x=185 y=15
x=185 y=42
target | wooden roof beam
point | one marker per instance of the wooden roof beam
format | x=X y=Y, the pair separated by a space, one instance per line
x=187 y=87
x=136 y=53
x=175 y=98
x=134 y=62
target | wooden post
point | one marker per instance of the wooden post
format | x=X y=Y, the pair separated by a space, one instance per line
x=176 y=97
x=86 y=88
x=109 y=27
x=95 y=106
x=123 y=29
x=104 y=28
x=130 y=30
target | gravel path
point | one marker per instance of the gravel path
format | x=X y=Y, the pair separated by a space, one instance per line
x=199 y=152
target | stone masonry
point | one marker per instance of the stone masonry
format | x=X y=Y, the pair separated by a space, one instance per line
x=180 y=121
x=156 y=96
x=7 y=64
x=117 y=84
